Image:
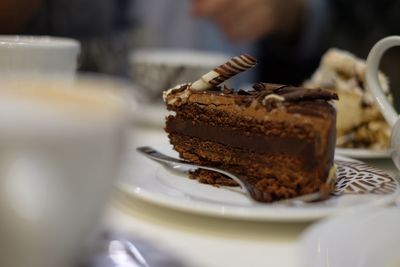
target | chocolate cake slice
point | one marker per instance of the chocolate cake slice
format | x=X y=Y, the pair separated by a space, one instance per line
x=279 y=139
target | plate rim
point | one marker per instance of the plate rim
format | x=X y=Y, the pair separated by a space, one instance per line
x=362 y=153
x=269 y=212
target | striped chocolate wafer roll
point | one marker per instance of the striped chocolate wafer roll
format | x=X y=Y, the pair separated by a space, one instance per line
x=224 y=72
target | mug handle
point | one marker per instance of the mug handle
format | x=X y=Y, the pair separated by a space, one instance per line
x=372 y=69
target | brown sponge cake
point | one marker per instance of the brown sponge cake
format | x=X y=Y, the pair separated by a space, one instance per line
x=279 y=139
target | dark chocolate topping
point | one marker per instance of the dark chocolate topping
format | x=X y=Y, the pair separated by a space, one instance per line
x=261 y=90
x=293 y=94
x=243 y=92
x=181 y=88
x=227 y=90
x=280 y=95
x=267 y=86
x=309 y=94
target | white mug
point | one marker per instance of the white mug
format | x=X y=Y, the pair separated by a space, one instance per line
x=388 y=111
x=38 y=55
x=59 y=154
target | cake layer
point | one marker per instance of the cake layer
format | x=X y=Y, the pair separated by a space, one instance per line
x=307 y=120
x=277 y=123
x=254 y=104
x=271 y=177
x=289 y=145
x=212 y=178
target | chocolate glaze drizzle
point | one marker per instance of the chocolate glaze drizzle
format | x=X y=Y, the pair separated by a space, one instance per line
x=293 y=94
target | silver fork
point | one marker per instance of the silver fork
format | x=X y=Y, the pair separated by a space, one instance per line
x=171 y=163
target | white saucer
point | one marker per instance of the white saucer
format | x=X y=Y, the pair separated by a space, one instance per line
x=363 y=153
x=365 y=239
x=148 y=181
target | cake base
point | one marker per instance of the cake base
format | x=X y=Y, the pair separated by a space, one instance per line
x=260 y=172
x=212 y=178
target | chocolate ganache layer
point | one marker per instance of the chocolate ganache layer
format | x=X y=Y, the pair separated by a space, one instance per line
x=251 y=141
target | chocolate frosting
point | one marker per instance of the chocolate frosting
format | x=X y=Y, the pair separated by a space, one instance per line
x=266 y=94
x=294 y=94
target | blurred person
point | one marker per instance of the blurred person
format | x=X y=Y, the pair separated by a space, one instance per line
x=170 y=24
x=267 y=29
x=102 y=26
x=248 y=20
x=290 y=35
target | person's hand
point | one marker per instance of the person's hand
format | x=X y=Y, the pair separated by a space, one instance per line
x=248 y=20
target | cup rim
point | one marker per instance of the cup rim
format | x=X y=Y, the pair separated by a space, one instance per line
x=41 y=41
x=53 y=119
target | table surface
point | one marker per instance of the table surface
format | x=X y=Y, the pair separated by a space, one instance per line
x=208 y=241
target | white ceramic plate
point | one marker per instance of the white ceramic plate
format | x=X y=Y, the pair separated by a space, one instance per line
x=148 y=181
x=365 y=239
x=363 y=153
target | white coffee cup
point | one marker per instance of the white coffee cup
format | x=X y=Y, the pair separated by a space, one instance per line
x=388 y=111
x=60 y=147
x=38 y=55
